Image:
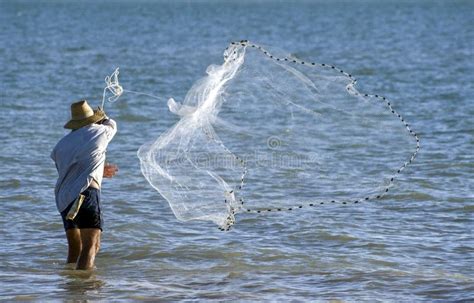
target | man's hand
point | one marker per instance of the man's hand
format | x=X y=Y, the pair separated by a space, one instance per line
x=110 y=170
x=101 y=110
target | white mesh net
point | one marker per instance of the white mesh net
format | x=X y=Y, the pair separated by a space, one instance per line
x=269 y=132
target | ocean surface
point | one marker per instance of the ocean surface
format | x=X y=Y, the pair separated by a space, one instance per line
x=415 y=244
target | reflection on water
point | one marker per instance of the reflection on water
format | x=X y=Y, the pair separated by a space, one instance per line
x=80 y=283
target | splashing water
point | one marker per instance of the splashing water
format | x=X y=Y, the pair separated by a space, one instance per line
x=223 y=152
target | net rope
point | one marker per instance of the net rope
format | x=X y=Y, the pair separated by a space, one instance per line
x=113 y=90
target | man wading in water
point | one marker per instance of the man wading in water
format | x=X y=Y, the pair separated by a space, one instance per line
x=80 y=160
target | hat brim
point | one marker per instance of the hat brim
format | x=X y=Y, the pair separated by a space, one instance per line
x=75 y=124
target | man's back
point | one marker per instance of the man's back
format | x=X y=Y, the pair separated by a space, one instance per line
x=80 y=158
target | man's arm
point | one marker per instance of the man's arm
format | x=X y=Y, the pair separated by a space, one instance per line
x=110 y=126
x=110 y=130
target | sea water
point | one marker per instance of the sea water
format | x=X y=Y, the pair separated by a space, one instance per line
x=416 y=244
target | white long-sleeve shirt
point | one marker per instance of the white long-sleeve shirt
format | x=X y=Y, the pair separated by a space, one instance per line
x=80 y=157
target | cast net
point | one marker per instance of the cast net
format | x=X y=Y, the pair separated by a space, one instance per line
x=268 y=132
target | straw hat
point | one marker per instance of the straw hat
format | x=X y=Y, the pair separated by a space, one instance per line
x=82 y=114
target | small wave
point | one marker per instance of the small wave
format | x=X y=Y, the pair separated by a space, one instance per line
x=11 y=183
x=75 y=49
x=371 y=245
x=25 y=298
x=133 y=118
x=341 y=238
x=19 y=197
x=383 y=262
x=364 y=71
x=415 y=196
x=468 y=208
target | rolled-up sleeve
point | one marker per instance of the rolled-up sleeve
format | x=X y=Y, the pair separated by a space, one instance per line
x=110 y=128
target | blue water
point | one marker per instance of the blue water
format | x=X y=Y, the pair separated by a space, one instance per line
x=416 y=244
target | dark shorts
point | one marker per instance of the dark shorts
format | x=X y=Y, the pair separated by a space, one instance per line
x=89 y=214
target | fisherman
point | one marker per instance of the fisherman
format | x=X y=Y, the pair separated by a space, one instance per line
x=80 y=160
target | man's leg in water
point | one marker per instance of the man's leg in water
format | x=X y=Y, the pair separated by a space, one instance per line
x=74 y=244
x=90 y=239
